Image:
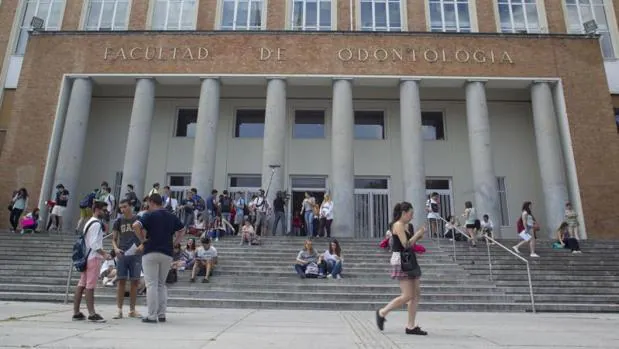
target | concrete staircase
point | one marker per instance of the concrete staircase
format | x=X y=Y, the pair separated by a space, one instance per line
x=35 y=268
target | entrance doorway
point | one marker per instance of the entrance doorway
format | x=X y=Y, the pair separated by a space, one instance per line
x=442 y=186
x=314 y=185
x=371 y=207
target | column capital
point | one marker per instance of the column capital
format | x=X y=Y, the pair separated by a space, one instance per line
x=337 y=78
x=549 y=82
x=202 y=78
x=276 y=78
x=483 y=81
x=410 y=79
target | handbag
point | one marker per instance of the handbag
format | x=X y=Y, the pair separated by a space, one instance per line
x=408 y=263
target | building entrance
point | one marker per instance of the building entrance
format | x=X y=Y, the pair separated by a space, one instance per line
x=371 y=207
x=315 y=186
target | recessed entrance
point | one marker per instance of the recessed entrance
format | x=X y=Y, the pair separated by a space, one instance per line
x=314 y=185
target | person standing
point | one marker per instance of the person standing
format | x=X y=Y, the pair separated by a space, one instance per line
x=19 y=203
x=225 y=205
x=307 y=209
x=239 y=207
x=90 y=276
x=156 y=230
x=432 y=208
x=129 y=263
x=280 y=214
x=260 y=208
x=62 y=199
x=155 y=189
x=130 y=195
x=403 y=238
x=326 y=216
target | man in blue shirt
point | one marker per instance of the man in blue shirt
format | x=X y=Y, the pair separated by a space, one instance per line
x=211 y=205
x=158 y=230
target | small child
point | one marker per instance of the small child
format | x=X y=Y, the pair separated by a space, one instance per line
x=30 y=222
x=296 y=224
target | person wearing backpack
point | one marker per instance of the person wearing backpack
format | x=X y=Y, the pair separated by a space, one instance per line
x=225 y=204
x=92 y=241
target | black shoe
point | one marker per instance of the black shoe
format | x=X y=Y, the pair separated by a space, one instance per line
x=127 y=294
x=380 y=321
x=79 y=317
x=148 y=321
x=192 y=280
x=416 y=331
x=204 y=281
x=161 y=319
x=96 y=318
x=302 y=276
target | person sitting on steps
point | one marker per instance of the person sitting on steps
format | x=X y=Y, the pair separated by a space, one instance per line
x=206 y=257
x=566 y=240
x=307 y=259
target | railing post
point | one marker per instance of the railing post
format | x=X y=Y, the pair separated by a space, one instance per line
x=66 y=294
x=531 y=289
x=453 y=243
x=489 y=257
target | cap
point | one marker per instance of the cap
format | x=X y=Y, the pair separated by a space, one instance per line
x=99 y=205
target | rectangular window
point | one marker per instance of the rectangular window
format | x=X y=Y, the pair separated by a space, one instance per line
x=502 y=202
x=519 y=16
x=174 y=15
x=179 y=180
x=242 y=15
x=369 y=124
x=309 y=124
x=308 y=182
x=249 y=123
x=246 y=181
x=449 y=16
x=432 y=126
x=107 y=15
x=50 y=11
x=437 y=184
x=311 y=15
x=186 y=121
x=371 y=183
x=381 y=15
x=581 y=11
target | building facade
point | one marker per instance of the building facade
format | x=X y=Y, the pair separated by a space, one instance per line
x=496 y=102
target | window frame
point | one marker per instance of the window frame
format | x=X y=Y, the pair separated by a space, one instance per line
x=244 y=175
x=471 y=28
x=541 y=16
x=359 y=16
x=23 y=25
x=385 y=117
x=611 y=24
x=151 y=16
x=290 y=15
x=235 y=126
x=502 y=196
x=294 y=123
x=443 y=121
x=176 y=112
x=220 y=15
x=87 y=10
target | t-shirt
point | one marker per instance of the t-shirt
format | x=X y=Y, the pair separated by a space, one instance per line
x=126 y=235
x=94 y=237
x=226 y=204
x=307 y=256
x=259 y=204
x=203 y=254
x=189 y=205
x=278 y=205
x=432 y=205
x=160 y=226
x=209 y=203
x=62 y=197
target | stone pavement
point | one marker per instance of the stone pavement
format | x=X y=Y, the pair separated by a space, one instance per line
x=43 y=325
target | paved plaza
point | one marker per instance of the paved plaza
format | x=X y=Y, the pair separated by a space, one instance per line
x=41 y=325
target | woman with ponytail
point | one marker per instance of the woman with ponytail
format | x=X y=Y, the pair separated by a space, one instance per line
x=403 y=239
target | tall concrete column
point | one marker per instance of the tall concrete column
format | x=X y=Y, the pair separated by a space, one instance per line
x=72 y=146
x=549 y=155
x=138 y=139
x=342 y=159
x=205 y=144
x=273 y=149
x=411 y=136
x=484 y=178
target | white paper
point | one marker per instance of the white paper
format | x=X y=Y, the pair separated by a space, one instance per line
x=525 y=236
x=131 y=251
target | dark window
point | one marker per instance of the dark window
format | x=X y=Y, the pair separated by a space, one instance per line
x=437 y=184
x=371 y=183
x=432 y=125
x=180 y=180
x=186 y=120
x=249 y=123
x=309 y=124
x=369 y=124
x=246 y=181
x=308 y=182
x=617 y=118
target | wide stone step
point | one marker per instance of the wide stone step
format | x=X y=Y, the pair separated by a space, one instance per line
x=581 y=290
x=557 y=283
x=569 y=298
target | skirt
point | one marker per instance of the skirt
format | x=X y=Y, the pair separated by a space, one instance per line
x=398 y=274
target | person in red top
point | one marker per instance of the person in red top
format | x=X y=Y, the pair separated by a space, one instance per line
x=296 y=224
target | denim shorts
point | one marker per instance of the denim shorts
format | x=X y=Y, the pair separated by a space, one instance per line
x=129 y=267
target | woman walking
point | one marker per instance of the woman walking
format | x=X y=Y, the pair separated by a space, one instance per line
x=403 y=240
x=527 y=227
x=18 y=204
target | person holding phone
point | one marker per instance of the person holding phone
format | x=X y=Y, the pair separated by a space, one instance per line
x=403 y=238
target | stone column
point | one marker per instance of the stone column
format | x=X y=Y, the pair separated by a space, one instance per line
x=342 y=159
x=273 y=149
x=205 y=144
x=138 y=139
x=484 y=179
x=549 y=155
x=72 y=146
x=411 y=135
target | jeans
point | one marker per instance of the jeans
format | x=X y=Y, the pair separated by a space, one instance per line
x=156 y=267
x=334 y=268
x=279 y=216
x=300 y=269
x=325 y=225
x=309 y=225
x=128 y=267
x=188 y=219
x=14 y=217
x=260 y=222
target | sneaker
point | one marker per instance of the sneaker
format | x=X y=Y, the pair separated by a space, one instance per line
x=79 y=317
x=302 y=276
x=416 y=331
x=204 y=281
x=339 y=277
x=577 y=252
x=329 y=276
x=148 y=321
x=96 y=318
x=105 y=280
x=216 y=239
x=119 y=315
x=161 y=319
x=134 y=314
x=109 y=284
x=515 y=248
x=534 y=255
x=192 y=280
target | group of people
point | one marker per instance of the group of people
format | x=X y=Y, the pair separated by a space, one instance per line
x=311 y=264
x=317 y=218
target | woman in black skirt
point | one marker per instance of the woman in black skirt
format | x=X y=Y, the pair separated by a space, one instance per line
x=403 y=238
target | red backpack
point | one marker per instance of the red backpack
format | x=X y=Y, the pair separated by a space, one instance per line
x=519 y=225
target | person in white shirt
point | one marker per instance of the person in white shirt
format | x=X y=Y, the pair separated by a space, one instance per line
x=326 y=216
x=90 y=276
x=259 y=204
x=334 y=259
x=111 y=203
x=486 y=225
x=206 y=257
x=432 y=208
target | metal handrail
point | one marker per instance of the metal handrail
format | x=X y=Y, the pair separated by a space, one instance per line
x=453 y=241
x=526 y=262
x=66 y=294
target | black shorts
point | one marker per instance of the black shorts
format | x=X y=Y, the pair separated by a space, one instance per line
x=470 y=226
